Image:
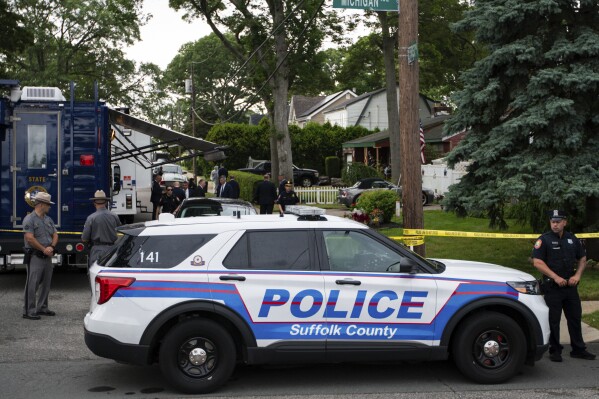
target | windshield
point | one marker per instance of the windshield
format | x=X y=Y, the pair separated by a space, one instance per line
x=171 y=169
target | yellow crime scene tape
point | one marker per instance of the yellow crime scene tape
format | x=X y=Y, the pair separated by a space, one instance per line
x=21 y=231
x=414 y=237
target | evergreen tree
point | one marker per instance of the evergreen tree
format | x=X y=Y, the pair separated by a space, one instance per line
x=530 y=108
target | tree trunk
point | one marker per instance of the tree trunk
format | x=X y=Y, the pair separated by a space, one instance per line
x=389 y=42
x=411 y=178
x=280 y=90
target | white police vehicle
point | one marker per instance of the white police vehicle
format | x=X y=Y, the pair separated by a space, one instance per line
x=198 y=295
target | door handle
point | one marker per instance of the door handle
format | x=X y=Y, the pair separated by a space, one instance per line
x=232 y=278
x=348 y=282
x=53 y=175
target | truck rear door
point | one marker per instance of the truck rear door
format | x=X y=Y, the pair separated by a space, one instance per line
x=36 y=161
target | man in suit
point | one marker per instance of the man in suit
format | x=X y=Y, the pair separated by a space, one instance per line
x=265 y=195
x=224 y=190
x=156 y=195
x=200 y=190
x=235 y=190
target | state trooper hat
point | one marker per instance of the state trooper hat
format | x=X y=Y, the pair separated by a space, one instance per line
x=43 y=198
x=99 y=196
x=557 y=214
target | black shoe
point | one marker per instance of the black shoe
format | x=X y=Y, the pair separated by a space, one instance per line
x=31 y=316
x=583 y=355
x=555 y=357
x=46 y=313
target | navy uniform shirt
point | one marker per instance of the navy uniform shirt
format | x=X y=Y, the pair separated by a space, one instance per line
x=42 y=228
x=560 y=254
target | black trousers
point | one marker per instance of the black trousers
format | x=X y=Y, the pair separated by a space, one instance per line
x=566 y=299
x=266 y=209
x=155 y=206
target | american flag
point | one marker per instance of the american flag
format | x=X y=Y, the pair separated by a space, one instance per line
x=422 y=144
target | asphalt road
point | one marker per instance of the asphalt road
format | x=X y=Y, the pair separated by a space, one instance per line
x=48 y=359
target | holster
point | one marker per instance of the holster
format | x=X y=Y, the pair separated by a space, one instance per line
x=27 y=255
x=546 y=284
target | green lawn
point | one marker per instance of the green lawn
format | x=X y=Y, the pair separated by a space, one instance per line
x=592 y=319
x=513 y=253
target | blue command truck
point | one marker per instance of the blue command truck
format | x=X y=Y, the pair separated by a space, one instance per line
x=63 y=147
x=55 y=146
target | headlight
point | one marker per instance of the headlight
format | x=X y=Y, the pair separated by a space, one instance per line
x=526 y=287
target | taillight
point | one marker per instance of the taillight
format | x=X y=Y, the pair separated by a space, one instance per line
x=86 y=160
x=106 y=287
x=79 y=247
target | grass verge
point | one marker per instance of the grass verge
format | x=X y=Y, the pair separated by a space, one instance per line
x=514 y=253
x=592 y=319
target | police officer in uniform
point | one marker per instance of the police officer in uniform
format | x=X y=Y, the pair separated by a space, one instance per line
x=561 y=258
x=287 y=197
x=41 y=238
x=100 y=228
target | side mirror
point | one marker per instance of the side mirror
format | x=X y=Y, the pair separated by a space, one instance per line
x=408 y=266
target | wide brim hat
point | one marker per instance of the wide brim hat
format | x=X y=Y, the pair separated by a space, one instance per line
x=43 y=198
x=100 y=195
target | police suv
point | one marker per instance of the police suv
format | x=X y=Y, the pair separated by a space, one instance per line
x=198 y=295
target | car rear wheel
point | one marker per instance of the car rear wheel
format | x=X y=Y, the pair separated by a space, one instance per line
x=197 y=356
x=489 y=348
x=306 y=181
x=424 y=199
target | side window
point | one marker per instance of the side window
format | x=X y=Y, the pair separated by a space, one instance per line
x=357 y=252
x=152 y=252
x=36 y=150
x=271 y=250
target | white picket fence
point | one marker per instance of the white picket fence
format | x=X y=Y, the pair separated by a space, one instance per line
x=318 y=194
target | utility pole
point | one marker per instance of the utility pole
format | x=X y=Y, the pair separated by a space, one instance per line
x=411 y=177
x=193 y=121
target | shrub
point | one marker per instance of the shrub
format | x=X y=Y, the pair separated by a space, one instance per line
x=247 y=183
x=374 y=202
x=332 y=166
x=357 y=170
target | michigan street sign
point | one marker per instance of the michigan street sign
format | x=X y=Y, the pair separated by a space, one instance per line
x=375 y=5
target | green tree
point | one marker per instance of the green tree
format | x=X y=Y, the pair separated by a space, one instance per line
x=276 y=38
x=14 y=36
x=530 y=108
x=220 y=95
x=81 y=41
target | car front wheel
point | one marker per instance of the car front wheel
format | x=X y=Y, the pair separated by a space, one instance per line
x=489 y=348
x=197 y=356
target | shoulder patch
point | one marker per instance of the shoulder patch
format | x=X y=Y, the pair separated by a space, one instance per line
x=538 y=243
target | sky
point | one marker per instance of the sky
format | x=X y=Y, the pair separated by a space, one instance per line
x=166 y=32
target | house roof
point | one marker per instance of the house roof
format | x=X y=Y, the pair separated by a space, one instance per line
x=367 y=141
x=304 y=103
x=321 y=103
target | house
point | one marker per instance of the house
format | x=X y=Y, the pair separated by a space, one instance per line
x=303 y=109
x=369 y=110
x=374 y=149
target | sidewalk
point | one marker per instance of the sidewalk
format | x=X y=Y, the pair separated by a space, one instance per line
x=589 y=333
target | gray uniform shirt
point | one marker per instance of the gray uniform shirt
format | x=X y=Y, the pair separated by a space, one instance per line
x=42 y=228
x=100 y=227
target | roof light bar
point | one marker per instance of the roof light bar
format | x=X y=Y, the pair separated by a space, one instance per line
x=303 y=210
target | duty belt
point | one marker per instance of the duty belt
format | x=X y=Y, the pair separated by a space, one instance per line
x=101 y=243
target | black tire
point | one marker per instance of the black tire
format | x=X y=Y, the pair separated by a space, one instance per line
x=489 y=348
x=424 y=199
x=216 y=352
x=306 y=181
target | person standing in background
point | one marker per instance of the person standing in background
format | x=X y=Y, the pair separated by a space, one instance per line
x=156 y=195
x=100 y=228
x=235 y=190
x=265 y=195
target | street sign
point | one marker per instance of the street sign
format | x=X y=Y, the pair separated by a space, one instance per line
x=375 y=5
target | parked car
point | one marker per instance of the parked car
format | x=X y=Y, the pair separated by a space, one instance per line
x=169 y=179
x=349 y=196
x=214 y=207
x=301 y=177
